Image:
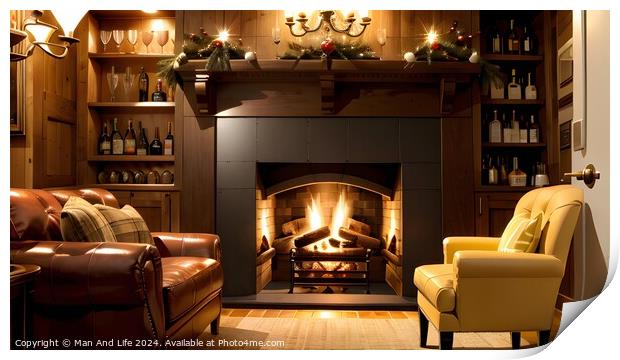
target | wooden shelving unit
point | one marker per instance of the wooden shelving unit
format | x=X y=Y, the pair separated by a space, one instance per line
x=495 y=203
x=158 y=204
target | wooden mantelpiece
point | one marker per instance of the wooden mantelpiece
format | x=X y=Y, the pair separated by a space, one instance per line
x=261 y=88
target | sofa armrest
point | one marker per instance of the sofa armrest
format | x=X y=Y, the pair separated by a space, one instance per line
x=457 y=243
x=494 y=264
x=188 y=244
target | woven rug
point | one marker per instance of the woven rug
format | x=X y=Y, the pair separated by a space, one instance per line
x=313 y=330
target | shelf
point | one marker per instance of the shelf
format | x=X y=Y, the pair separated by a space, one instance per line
x=504 y=188
x=487 y=101
x=131 y=158
x=132 y=56
x=167 y=106
x=514 y=145
x=135 y=187
x=17 y=36
x=511 y=58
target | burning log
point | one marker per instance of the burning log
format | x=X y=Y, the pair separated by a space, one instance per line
x=312 y=237
x=341 y=243
x=360 y=239
x=357 y=226
x=295 y=227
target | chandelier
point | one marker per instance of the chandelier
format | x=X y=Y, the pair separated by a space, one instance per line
x=42 y=34
x=327 y=21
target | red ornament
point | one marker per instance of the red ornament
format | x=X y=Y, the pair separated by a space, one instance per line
x=217 y=43
x=328 y=46
x=435 y=46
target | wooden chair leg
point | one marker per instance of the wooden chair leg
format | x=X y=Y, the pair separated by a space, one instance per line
x=445 y=340
x=215 y=326
x=423 y=329
x=543 y=337
x=516 y=340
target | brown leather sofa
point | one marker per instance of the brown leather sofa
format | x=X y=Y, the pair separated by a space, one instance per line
x=103 y=291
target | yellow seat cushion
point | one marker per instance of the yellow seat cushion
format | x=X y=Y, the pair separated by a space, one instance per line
x=522 y=234
x=436 y=283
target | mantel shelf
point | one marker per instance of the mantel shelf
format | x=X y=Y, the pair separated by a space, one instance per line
x=394 y=71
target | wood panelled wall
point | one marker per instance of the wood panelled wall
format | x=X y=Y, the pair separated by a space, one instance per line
x=405 y=29
x=45 y=156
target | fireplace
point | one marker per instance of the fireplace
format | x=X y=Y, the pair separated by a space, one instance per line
x=386 y=172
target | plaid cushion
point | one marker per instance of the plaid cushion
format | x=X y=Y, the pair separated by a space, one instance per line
x=81 y=221
x=127 y=224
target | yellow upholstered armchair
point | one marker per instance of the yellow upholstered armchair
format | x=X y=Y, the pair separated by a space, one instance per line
x=480 y=289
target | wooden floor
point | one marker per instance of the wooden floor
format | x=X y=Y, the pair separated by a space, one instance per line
x=330 y=329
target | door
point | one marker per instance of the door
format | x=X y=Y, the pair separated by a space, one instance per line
x=495 y=211
x=591 y=108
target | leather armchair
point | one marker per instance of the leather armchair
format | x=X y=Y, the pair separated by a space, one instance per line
x=93 y=291
x=478 y=288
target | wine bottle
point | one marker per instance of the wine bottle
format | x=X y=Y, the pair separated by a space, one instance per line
x=495 y=129
x=117 y=140
x=514 y=89
x=516 y=176
x=143 y=85
x=530 y=89
x=523 y=130
x=528 y=42
x=512 y=46
x=156 y=145
x=506 y=129
x=169 y=141
x=533 y=131
x=496 y=41
x=492 y=173
x=159 y=94
x=515 y=128
x=143 y=144
x=105 y=145
x=503 y=173
x=130 y=140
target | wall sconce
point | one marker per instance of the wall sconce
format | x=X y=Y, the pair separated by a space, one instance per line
x=327 y=18
x=42 y=33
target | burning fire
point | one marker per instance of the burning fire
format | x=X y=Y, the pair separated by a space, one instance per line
x=263 y=224
x=313 y=214
x=339 y=216
x=392 y=231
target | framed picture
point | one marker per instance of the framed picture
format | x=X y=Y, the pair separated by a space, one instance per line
x=18 y=97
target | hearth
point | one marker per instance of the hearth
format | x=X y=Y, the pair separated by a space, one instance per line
x=356 y=182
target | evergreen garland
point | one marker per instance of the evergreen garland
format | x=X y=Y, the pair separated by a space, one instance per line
x=358 y=50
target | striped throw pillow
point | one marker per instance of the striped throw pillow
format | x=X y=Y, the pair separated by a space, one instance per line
x=81 y=221
x=521 y=234
x=127 y=224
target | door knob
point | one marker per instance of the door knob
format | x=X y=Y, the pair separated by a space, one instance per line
x=589 y=175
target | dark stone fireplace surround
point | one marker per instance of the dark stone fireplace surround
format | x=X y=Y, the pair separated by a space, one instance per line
x=414 y=143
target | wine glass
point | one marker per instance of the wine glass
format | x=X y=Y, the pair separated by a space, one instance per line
x=381 y=37
x=112 y=78
x=275 y=35
x=162 y=39
x=147 y=38
x=118 y=36
x=128 y=79
x=132 y=37
x=106 y=36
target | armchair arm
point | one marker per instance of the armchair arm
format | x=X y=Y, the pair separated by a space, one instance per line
x=457 y=243
x=493 y=264
x=188 y=244
x=99 y=278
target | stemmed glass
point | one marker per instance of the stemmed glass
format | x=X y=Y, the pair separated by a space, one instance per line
x=132 y=37
x=105 y=36
x=118 y=36
x=162 y=39
x=112 y=78
x=128 y=80
x=381 y=38
x=147 y=38
x=275 y=35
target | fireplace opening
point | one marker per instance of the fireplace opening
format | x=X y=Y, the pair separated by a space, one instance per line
x=343 y=231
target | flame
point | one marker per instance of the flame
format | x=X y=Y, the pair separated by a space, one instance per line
x=392 y=231
x=263 y=224
x=313 y=214
x=339 y=215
